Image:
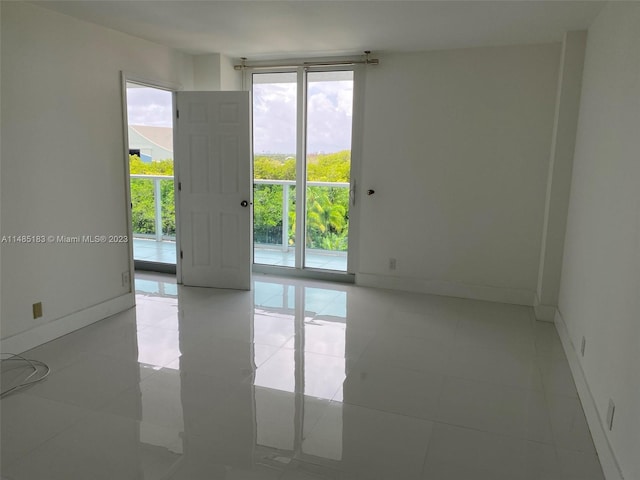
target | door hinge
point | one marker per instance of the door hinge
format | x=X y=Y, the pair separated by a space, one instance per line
x=179 y=186
x=181 y=255
x=177 y=113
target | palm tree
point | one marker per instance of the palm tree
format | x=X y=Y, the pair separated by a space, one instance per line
x=326 y=218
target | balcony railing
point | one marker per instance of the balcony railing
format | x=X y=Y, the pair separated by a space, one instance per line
x=286 y=185
x=159 y=235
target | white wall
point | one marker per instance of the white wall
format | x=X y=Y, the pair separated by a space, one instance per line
x=63 y=165
x=214 y=71
x=456 y=145
x=230 y=78
x=206 y=72
x=600 y=285
x=559 y=176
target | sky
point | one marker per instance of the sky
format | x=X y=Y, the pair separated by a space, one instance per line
x=329 y=114
x=149 y=106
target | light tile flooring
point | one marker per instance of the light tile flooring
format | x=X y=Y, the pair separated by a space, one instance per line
x=300 y=380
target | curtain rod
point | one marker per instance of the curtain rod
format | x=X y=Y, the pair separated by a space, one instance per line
x=328 y=63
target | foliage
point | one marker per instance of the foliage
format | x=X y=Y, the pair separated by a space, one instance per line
x=327 y=207
x=137 y=166
x=331 y=167
x=274 y=167
x=142 y=194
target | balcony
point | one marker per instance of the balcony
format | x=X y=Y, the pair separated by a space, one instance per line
x=153 y=217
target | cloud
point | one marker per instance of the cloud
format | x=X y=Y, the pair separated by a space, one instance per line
x=329 y=114
x=274 y=118
x=149 y=106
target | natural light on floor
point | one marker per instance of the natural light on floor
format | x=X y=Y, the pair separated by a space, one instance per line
x=301 y=380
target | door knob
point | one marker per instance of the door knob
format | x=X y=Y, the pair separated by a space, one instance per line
x=370 y=192
x=244 y=203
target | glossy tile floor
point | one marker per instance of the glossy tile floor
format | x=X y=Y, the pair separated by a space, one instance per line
x=301 y=380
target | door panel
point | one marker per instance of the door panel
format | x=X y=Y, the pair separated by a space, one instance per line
x=150 y=124
x=214 y=162
x=275 y=146
x=328 y=165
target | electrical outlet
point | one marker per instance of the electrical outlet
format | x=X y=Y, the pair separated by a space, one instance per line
x=583 y=345
x=392 y=264
x=610 y=412
x=37 y=310
x=126 y=279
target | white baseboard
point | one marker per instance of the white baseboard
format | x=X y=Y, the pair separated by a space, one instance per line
x=607 y=458
x=515 y=296
x=50 y=331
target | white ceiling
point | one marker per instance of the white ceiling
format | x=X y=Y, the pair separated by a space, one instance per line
x=278 y=29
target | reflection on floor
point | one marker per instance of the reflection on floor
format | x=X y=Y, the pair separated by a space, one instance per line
x=301 y=380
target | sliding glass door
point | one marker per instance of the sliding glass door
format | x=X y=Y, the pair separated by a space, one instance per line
x=275 y=150
x=302 y=129
x=329 y=97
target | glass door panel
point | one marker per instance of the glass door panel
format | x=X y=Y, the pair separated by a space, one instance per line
x=150 y=133
x=274 y=167
x=328 y=166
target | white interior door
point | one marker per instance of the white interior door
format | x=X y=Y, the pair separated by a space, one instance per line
x=213 y=157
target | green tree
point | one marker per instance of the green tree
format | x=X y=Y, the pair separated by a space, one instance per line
x=326 y=215
x=142 y=192
x=327 y=207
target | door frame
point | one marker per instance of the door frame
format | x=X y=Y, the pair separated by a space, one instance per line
x=130 y=77
x=301 y=138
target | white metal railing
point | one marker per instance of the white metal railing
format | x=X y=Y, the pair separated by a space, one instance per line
x=157 y=201
x=286 y=184
x=285 y=200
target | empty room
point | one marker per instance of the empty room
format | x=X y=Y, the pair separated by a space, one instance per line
x=297 y=240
